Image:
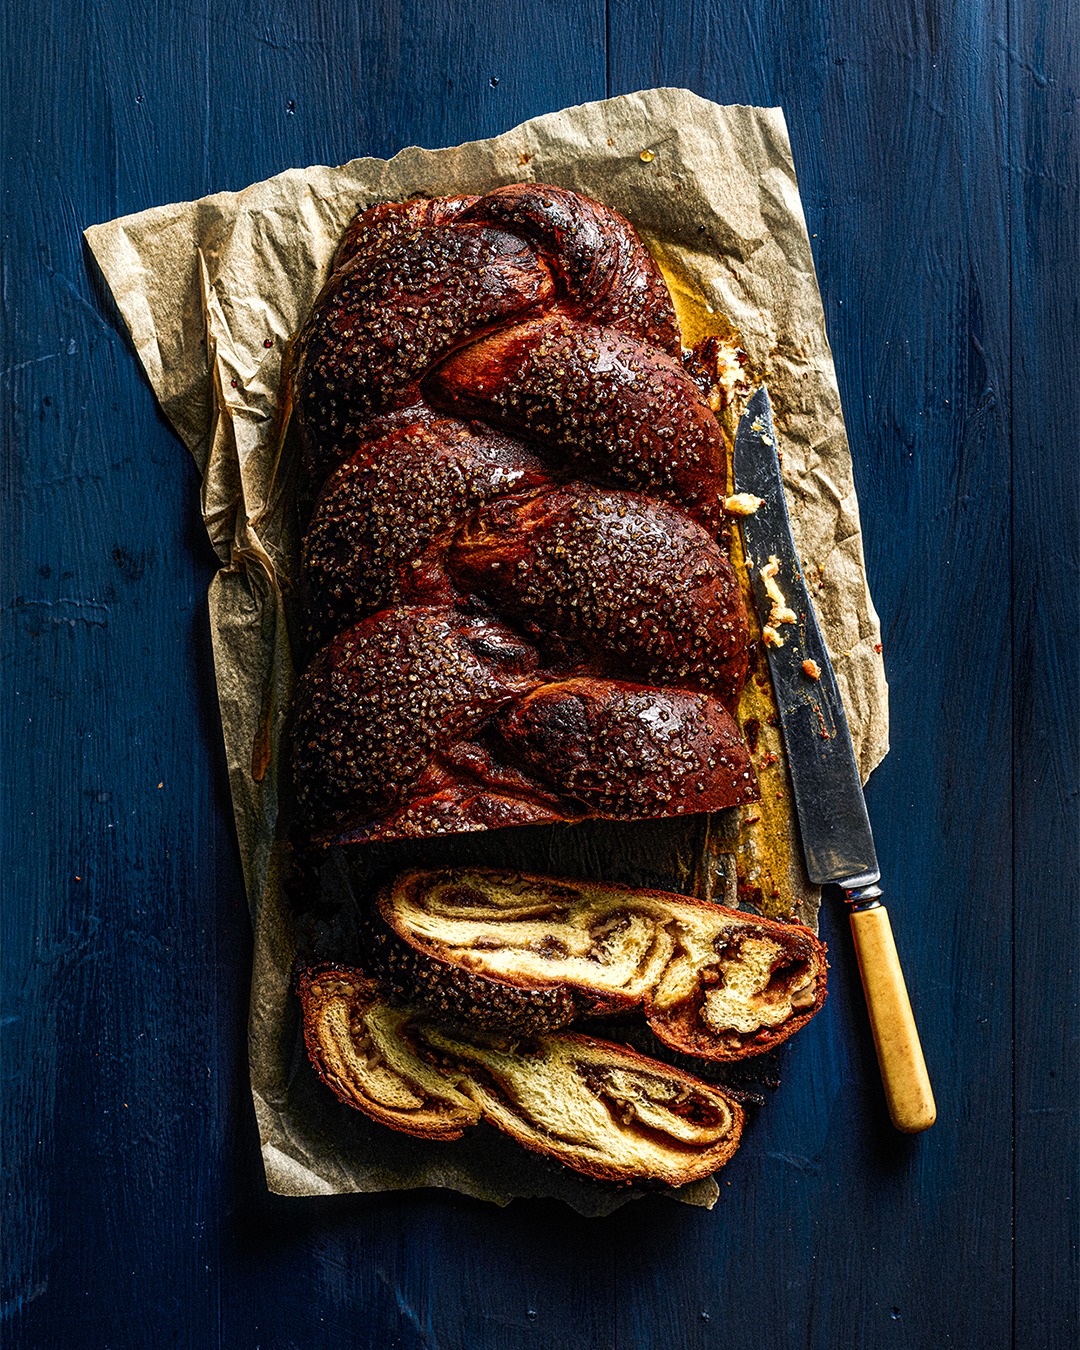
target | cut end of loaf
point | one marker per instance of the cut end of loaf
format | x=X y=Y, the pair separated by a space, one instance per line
x=356 y=1041
x=596 y=1107
x=712 y=982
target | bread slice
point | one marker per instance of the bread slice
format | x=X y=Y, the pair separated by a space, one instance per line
x=598 y=1108
x=527 y=953
x=356 y=1041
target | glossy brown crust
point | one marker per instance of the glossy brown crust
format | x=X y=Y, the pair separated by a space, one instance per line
x=594 y=252
x=627 y=751
x=450 y=801
x=592 y=400
x=379 y=700
x=615 y=581
x=369 y=228
x=424 y=971
x=474 y=371
x=505 y=1085
x=394 y=309
x=385 y=518
x=423 y=721
x=633 y=583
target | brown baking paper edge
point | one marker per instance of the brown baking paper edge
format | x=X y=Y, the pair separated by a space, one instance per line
x=213 y=290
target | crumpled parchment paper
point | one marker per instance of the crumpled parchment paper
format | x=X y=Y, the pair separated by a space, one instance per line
x=212 y=292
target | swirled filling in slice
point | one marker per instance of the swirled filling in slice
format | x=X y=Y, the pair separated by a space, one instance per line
x=495 y=947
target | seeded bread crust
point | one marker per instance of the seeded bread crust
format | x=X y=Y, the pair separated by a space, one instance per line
x=518 y=606
x=457 y=997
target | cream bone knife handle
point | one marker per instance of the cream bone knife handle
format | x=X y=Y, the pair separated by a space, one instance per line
x=896 y=1038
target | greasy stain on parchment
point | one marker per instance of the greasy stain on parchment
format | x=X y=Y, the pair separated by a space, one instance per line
x=759 y=843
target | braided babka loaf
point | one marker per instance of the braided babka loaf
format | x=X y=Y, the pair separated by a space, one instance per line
x=520 y=607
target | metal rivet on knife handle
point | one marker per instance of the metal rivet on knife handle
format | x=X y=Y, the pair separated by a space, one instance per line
x=896 y=1038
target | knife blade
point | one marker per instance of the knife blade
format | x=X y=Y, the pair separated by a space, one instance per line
x=834 y=828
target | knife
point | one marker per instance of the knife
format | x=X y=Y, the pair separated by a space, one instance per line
x=835 y=830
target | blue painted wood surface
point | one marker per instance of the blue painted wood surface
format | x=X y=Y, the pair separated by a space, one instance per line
x=937 y=147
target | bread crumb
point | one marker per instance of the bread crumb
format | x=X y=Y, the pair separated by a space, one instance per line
x=771 y=637
x=743 y=504
x=781 y=612
x=811 y=669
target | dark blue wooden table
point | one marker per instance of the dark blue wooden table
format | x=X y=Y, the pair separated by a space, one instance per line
x=937 y=148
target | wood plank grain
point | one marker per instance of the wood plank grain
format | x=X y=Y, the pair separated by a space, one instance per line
x=1044 y=194
x=121 y=895
x=134 y=1206
x=139 y=1210
x=896 y=119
